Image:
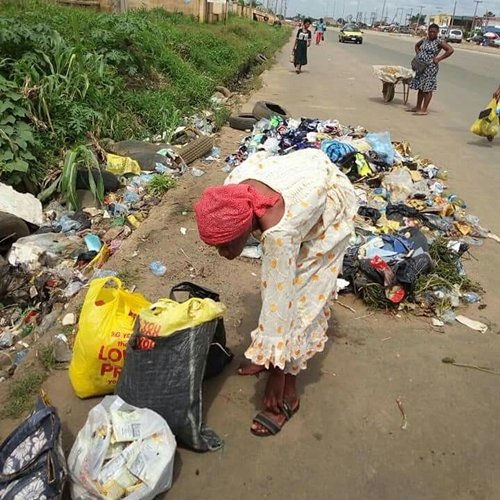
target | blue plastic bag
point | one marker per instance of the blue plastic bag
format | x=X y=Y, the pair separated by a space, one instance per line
x=382 y=145
x=336 y=150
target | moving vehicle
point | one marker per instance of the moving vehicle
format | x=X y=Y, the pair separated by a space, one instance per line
x=350 y=33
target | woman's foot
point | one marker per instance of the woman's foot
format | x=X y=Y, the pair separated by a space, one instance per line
x=281 y=402
x=412 y=110
x=250 y=369
x=420 y=113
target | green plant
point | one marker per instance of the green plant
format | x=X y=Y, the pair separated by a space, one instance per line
x=80 y=158
x=16 y=134
x=47 y=357
x=160 y=184
x=21 y=392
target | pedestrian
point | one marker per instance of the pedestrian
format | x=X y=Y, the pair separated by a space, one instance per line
x=305 y=220
x=302 y=42
x=426 y=64
x=320 y=31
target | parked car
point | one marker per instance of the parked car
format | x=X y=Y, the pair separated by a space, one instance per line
x=350 y=33
x=454 y=35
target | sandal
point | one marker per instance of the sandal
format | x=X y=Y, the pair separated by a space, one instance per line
x=271 y=426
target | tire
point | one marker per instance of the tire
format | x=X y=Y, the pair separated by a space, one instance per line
x=261 y=58
x=388 y=91
x=11 y=229
x=266 y=109
x=361 y=42
x=198 y=148
x=243 y=121
x=224 y=91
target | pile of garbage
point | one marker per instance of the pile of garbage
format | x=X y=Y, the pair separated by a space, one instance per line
x=48 y=254
x=411 y=233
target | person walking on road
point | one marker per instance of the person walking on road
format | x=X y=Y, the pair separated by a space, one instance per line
x=305 y=220
x=320 y=31
x=426 y=64
x=302 y=43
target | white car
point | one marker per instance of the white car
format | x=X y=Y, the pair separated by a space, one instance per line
x=454 y=35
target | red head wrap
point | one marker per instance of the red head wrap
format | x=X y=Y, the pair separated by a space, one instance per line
x=224 y=213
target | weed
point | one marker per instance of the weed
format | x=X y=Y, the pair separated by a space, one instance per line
x=21 y=394
x=129 y=276
x=47 y=357
x=160 y=184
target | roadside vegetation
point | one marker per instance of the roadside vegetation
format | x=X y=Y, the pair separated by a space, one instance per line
x=70 y=76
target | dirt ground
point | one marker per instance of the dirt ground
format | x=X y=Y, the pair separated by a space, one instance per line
x=346 y=442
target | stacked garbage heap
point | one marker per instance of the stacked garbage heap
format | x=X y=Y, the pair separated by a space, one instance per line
x=411 y=234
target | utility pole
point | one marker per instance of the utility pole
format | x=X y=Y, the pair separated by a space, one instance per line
x=383 y=12
x=452 y=16
x=477 y=2
x=420 y=15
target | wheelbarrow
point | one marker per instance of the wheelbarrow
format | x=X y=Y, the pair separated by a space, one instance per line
x=391 y=77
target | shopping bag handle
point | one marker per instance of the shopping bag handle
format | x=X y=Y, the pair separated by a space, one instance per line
x=195 y=291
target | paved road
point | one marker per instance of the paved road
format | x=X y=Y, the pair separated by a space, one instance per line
x=346 y=442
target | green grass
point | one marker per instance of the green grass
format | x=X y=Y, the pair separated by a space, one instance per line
x=47 y=357
x=21 y=394
x=129 y=75
x=160 y=184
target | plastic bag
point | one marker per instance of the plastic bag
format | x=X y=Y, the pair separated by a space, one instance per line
x=32 y=463
x=106 y=323
x=120 y=165
x=165 y=373
x=399 y=184
x=122 y=452
x=382 y=145
x=488 y=124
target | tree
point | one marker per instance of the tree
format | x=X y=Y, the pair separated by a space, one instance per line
x=419 y=20
x=489 y=14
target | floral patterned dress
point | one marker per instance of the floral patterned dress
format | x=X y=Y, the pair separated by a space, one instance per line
x=427 y=80
x=302 y=254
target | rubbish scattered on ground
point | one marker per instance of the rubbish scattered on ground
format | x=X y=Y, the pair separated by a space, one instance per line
x=69 y=320
x=22 y=205
x=62 y=351
x=404 y=422
x=157 y=268
x=196 y=172
x=32 y=459
x=122 y=452
x=411 y=234
x=183 y=231
x=451 y=361
x=437 y=322
x=472 y=324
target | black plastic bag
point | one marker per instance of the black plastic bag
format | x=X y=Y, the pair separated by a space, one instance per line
x=168 y=377
x=32 y=463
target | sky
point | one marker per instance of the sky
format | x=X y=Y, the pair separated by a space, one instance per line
x=321 y=8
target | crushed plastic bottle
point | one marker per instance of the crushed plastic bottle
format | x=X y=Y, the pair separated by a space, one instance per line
x=471 y=297
x=196 y=172
x=458 y=202
x=157 y=268
x=448 y=316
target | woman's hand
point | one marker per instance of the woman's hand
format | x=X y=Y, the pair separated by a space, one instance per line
x=436 y=60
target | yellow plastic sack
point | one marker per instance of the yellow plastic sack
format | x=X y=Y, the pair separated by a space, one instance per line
x=120 y=165
x=488 y=126
x=106 y=323
x=168 y=316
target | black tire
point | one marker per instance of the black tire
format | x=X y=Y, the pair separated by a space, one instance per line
x=266 y=109
x=361 y=42
x=110 y=181
x=261 y=58
x=388 y=91
x=11 y=229
x=198 y=148
x=243 y=121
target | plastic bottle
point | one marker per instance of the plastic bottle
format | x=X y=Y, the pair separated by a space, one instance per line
x=448 y=316
x=471 y=297
x=157 y=268
x=458 y=202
